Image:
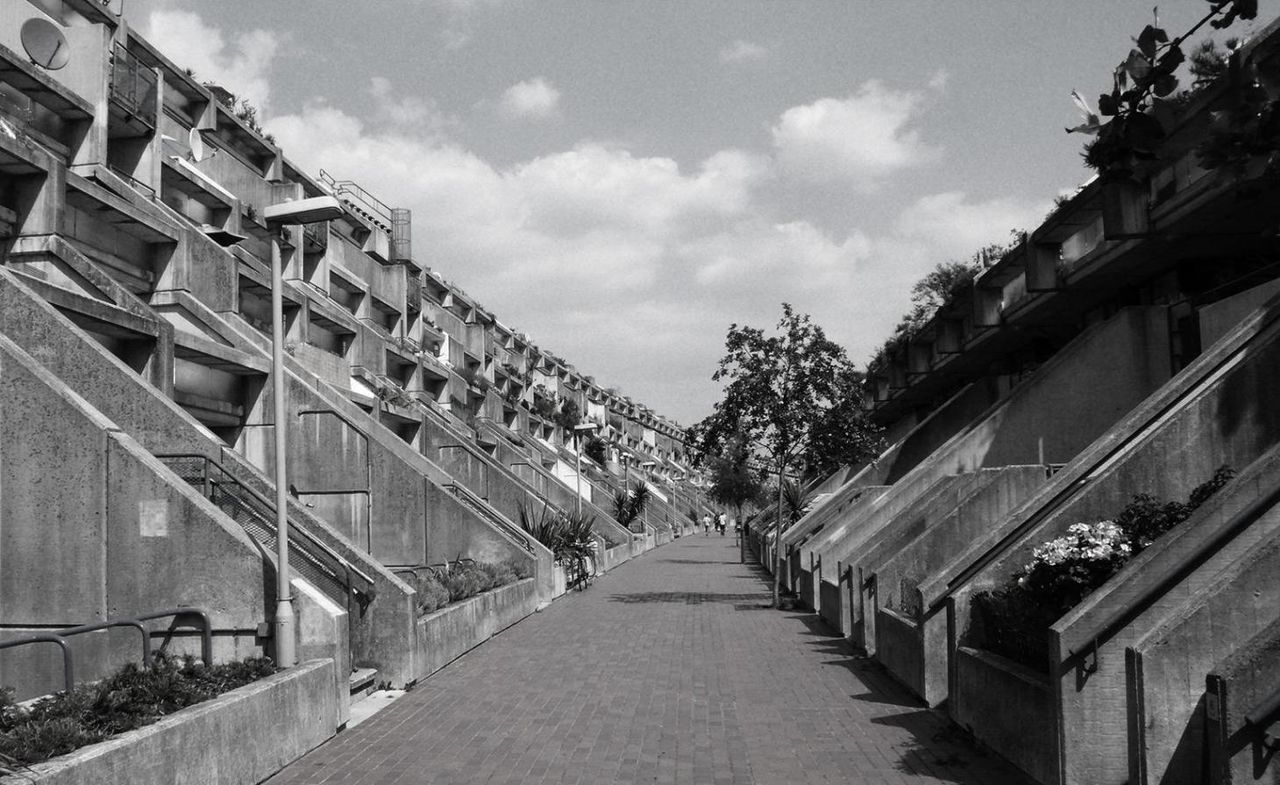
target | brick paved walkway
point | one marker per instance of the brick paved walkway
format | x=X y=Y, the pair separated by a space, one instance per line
x=667 y=670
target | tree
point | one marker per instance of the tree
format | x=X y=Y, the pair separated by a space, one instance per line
x=629 y=503
x=789 y=395
x=733 y=483
x=568 y=415
x=595 y=449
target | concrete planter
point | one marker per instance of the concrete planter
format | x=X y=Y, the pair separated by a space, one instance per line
x=616 y=555
x=561 y=580
x=243 y=736
x=1009 y=709
x=452 y=631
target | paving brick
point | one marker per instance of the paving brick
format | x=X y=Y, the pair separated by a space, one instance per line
x=670 y=669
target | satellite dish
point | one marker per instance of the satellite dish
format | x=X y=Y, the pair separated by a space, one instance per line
x=45 y=43
x=197 y=145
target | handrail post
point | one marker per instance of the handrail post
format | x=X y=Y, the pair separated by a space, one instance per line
x=68 y=667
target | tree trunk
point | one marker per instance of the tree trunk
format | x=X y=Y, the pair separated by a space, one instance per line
x=742 y=537
x=777 y=543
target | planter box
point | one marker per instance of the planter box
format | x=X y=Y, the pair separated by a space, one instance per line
x=243 y=736
x=452 y=631
x=616 y=555
x=1009 y=709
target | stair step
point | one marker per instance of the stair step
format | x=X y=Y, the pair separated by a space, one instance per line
x=362 y=681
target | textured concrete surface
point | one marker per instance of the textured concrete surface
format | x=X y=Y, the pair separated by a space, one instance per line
x=669 y=670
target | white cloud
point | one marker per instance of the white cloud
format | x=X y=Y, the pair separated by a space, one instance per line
x=861 y=139
x=241 y=65
x=741 y=51
x=949 y=220
x=532 y=99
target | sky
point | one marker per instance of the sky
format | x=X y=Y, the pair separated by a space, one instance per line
x=625 y=180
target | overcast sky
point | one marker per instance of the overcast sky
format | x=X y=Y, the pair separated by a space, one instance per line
x=624 y=180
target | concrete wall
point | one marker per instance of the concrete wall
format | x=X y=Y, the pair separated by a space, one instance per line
x=1021 y=699
x=239 y=738
x=382 y=633
x=93 y=527
x=1239 y=683
x=1224 y=609
x=994 y=493
x=844 y=542
x=404 y=483
x=1209 y=415
x=452 y=631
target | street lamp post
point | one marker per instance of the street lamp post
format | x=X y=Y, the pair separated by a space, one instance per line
x=578 y=432
x=277 y=216
x=647 y=465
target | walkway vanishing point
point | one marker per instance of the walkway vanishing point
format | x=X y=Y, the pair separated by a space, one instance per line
x=670 y=669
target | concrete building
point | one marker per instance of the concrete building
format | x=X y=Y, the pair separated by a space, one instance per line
x=137 y=432
x=1127 y=345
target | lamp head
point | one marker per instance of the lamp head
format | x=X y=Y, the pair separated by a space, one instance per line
x=303 y=211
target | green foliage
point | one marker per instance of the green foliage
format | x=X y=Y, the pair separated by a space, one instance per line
x=784 y=390
x=940 y=286
x=795 y=395
x=569 y=536
x=568 y=415
x=544 y=402
x=1012 y=620
x=596 y=449
x=1140 y=104
x=629 y=503
x=795 y=501
x=456 y=581
x=131 y=698
x=733 y=483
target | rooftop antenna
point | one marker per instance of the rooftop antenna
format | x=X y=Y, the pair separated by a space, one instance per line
x=45 y=44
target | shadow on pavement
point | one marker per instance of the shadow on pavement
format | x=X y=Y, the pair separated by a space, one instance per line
x=686 y=597
x=946 y=753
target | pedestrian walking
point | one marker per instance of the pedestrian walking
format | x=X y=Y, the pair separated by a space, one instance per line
x=721 y=523
x=706 y=524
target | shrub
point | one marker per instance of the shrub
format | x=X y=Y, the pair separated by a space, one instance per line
x=1012 y=620
x=629 y=504
x=459 y=580
x=568 y=536
x=432 y=595
x=129 y=699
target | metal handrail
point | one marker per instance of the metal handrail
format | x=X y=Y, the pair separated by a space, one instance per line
x=68 y=659
x=482 y=507
x=355 y=190
x=348 y=569
x=68 y=668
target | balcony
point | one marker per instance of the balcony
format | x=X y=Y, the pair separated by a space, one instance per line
x=133 y=95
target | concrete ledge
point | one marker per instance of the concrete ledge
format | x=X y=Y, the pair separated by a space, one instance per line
x=616 y=555
x=900 y=647
x=244 y=736
x=1239 y=683
x=452 y=631
x=1009 y=709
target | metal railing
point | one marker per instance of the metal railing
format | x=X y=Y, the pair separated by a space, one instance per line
x=481 y=508
x=350 y=192
x=334 y=575
x=133 y=84
x=59 y=637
